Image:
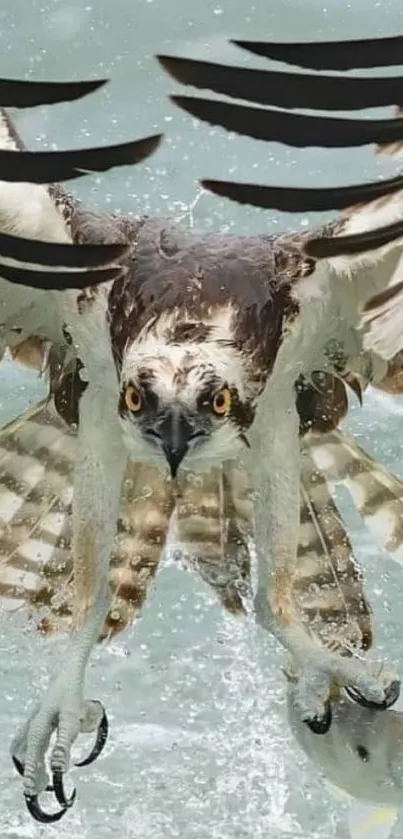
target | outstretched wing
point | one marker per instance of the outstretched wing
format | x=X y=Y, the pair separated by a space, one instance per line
x=44 y=167
x=372 y=212
x=33 y=211
x=36 y=565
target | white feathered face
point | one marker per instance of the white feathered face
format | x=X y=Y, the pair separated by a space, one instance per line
x=184 y=405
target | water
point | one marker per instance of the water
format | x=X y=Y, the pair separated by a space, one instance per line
x=199 y=745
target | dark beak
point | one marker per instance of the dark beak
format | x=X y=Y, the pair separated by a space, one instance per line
x=175 y=432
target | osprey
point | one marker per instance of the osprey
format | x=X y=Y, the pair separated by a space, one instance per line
x=207 y=352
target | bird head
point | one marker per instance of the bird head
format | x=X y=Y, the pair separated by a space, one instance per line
x=183 y=402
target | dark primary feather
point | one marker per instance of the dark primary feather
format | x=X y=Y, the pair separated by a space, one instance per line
x=382 y=298
x=28 y=94
x=298 y=130
x=58 y=280
x=303 y=199
x=44 y=167
x=324 y=247
x=295 y=130
x=331 y=55
x=59 y=254
x=286 y=90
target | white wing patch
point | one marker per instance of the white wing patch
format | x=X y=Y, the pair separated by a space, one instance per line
x=27 y=210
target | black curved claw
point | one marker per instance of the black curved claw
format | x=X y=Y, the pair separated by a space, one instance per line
x=59 y=790
x=102 y=736
x=20 y=767
x=38 y=814
x=392 y=694
x=320 y=725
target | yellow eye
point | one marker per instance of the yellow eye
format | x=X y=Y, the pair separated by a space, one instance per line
x=133 y=399
x=222 y=402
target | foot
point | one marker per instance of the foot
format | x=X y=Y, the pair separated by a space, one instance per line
x=317 y=671
x=356 y=676
x=64 y=712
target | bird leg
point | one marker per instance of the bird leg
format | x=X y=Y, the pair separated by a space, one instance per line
x=276 y=469
x=99 y=470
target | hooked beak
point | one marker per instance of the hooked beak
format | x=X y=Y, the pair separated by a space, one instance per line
x=175 y=432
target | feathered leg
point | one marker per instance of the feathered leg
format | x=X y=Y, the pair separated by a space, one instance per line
x=276 y=486
x=99 y=472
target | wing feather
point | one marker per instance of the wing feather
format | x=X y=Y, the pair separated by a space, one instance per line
x=15 y=93
x=29 y=210
x=214 y=521
x=376 y=493
x=331 y=55
x=295 y=130
x=371 y=227
x=213 y=525
x=328 y=584
x=286 y=90
x=36 y=469
x=43 y=167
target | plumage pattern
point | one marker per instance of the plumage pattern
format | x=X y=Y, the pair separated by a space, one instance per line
x=328 y=584
x=213 y=525
x=36 y=565
x=36 y=468
x=210 y=351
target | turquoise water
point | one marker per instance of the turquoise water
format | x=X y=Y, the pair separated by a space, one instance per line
x=199 y=747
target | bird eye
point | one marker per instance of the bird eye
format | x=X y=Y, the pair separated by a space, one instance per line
x=133 y=399
x=222 y=402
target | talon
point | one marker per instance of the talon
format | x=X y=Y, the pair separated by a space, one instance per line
x=320 y=725
x=392 y=693
x=20 y=767
x=102 y=736
x=59 y=790
x=38 y=814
